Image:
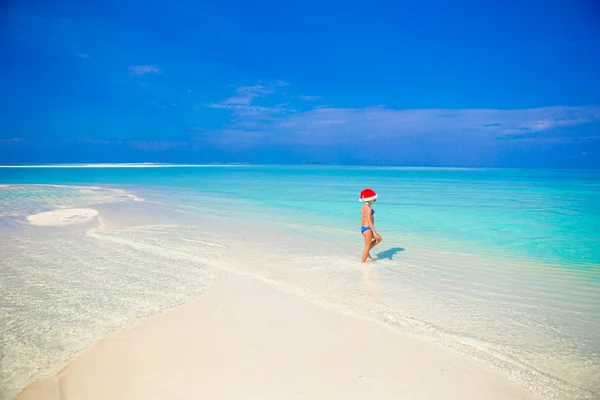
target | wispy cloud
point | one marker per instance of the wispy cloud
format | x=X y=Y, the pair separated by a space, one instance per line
x=10 y=140
x=242 y=103
x=244 y=96
x=268 y=116
x=309 y=98
x=83 y=55
x=144 y=145
x=140 y=70
x=158 y=145
x=327 y=126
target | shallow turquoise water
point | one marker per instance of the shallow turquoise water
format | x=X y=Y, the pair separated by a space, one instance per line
x=549 y=215
x=501 y=265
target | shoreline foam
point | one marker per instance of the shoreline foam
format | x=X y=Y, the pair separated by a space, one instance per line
x=63 y=217
x=246 y=339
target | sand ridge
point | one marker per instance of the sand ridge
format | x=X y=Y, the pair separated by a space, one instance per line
x=246 y=339
x=63 y=217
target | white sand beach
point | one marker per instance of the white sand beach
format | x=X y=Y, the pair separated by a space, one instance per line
x=246 y=339
x=63 y=217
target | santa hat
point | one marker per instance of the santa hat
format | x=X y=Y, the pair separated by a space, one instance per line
x=367 y=195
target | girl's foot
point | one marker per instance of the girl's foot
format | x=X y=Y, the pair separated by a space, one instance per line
x=369 y=257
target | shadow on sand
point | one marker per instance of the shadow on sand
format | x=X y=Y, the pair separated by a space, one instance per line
x=388 y=254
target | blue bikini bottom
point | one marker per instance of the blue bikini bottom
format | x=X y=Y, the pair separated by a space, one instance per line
x=363 y=229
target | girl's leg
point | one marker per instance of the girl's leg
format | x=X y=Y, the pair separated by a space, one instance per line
x=374 y=243
x=368 y=236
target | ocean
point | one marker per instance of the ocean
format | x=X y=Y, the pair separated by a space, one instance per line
x=501 y=265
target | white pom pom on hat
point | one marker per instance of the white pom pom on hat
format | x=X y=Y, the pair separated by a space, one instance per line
x=367 y=195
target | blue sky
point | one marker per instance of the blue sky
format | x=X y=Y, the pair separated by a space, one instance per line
x=465 y=83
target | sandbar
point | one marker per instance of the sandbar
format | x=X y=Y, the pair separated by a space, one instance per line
x=246 y=339
x=63 y=217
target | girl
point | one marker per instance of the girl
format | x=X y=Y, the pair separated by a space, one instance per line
x=367 y=228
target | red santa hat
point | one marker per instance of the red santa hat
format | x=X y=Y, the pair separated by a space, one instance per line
x=367 y=195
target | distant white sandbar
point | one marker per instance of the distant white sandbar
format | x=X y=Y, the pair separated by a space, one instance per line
x=122 y=165
x=63 y=217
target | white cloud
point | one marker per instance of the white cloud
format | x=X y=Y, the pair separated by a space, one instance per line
x=10 y=140
x=334 y=125
x=309 y=98
x=326 y=125
x=245 y=96
x=83 y=55
x=140 y=70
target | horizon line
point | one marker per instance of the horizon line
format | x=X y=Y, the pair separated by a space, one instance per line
x=244 y=164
